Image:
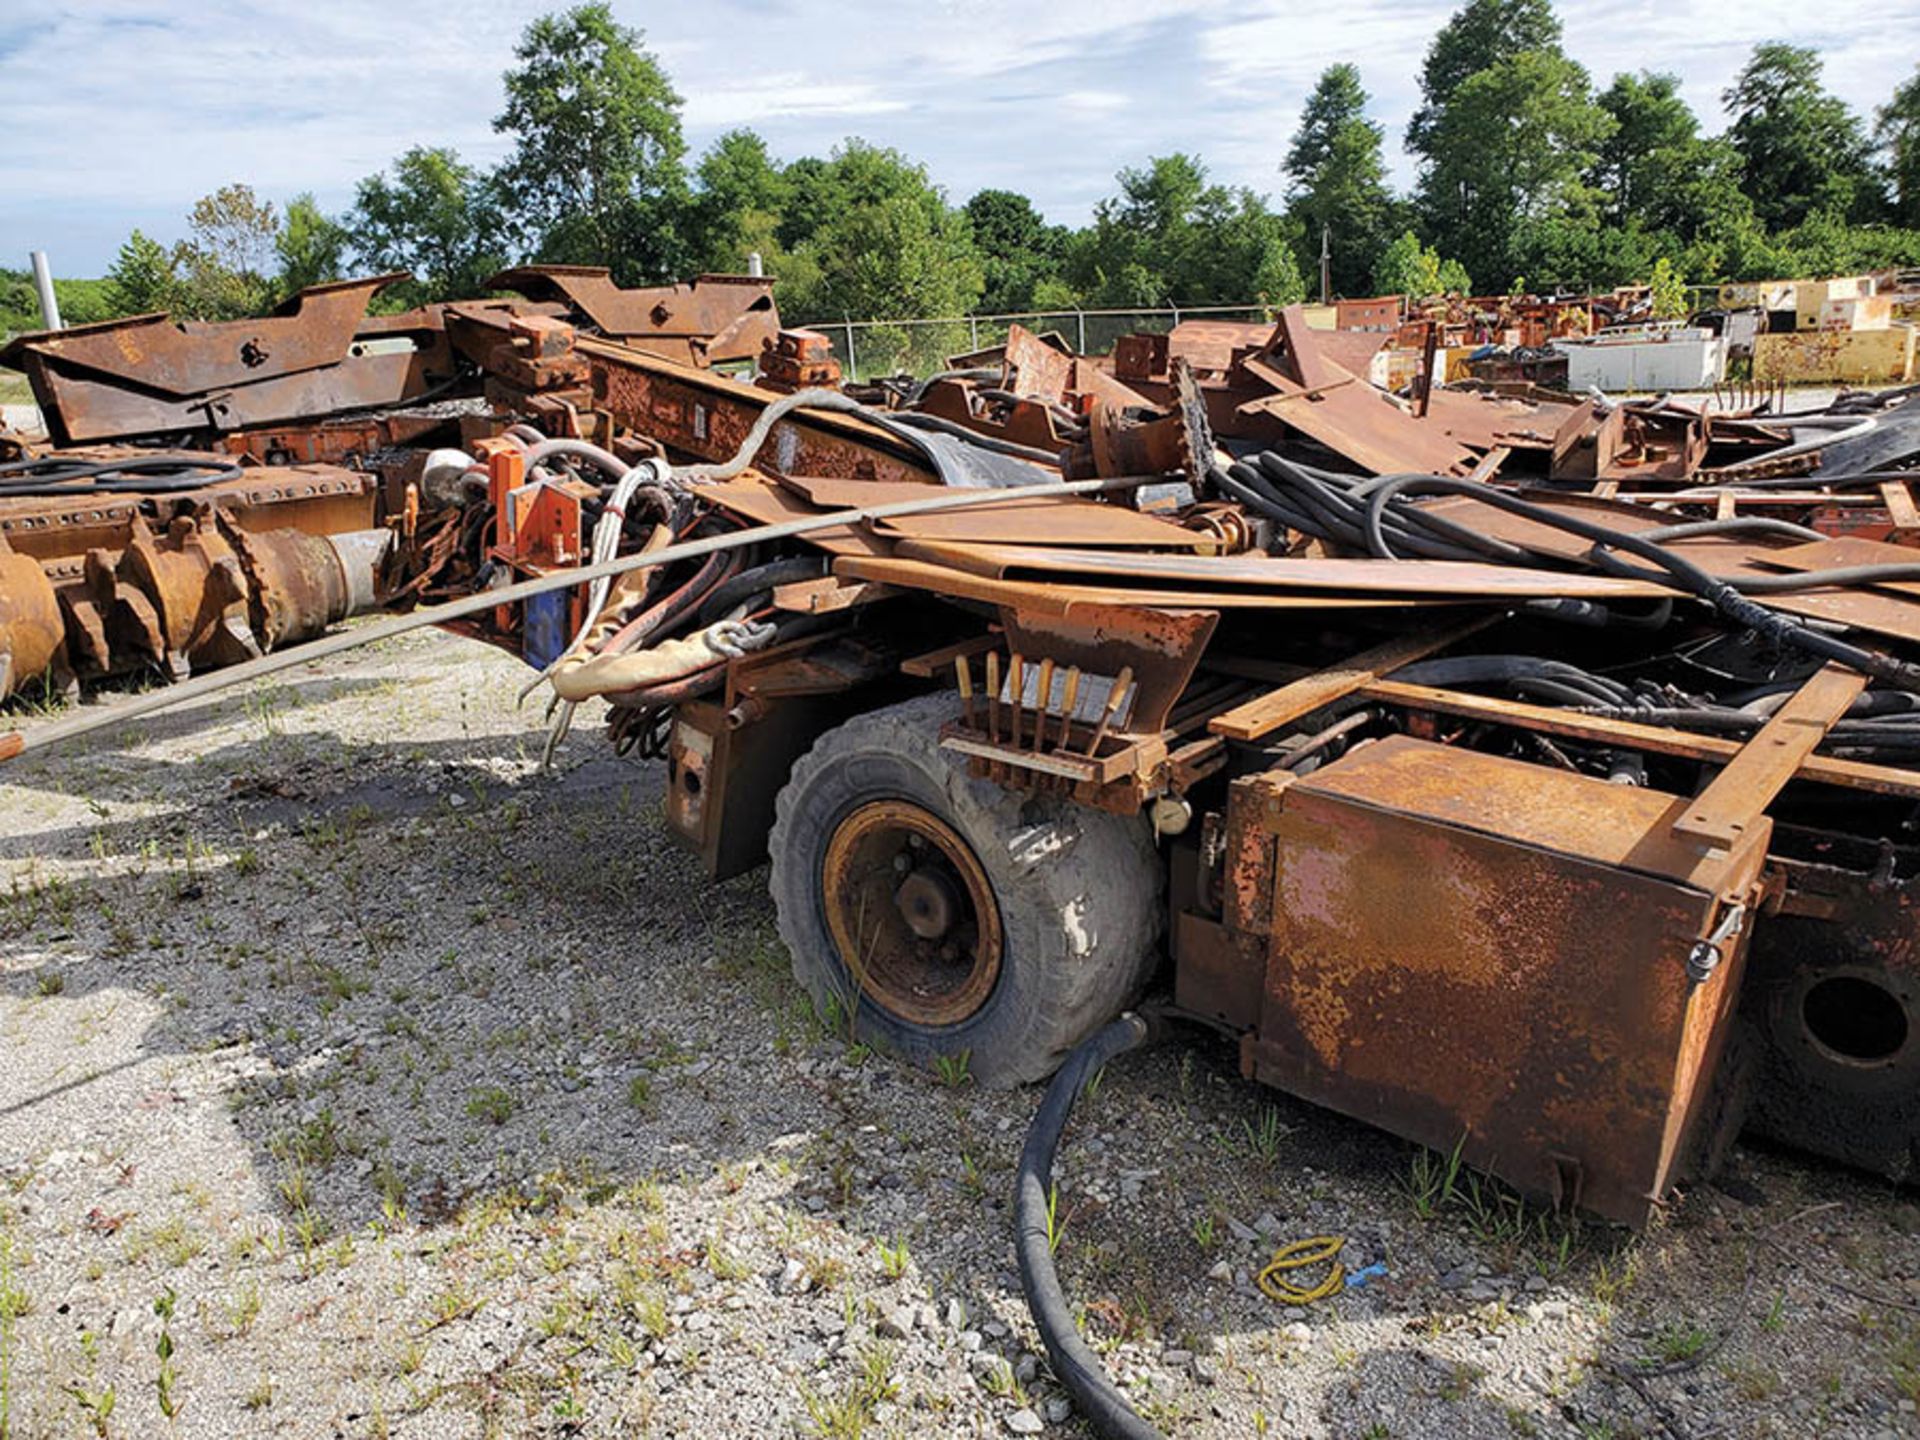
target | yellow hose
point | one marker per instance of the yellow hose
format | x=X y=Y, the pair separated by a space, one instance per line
x=1297 y=1255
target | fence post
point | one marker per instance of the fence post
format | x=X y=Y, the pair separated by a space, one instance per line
x=1176 y=315
x=973 y=332
x=853 y=367
x=1081 y=317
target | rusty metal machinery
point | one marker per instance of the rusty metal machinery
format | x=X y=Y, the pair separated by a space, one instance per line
x=1473 y=825
x=319 y=354
x=176 y=563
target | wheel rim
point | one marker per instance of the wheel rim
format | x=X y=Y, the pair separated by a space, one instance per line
x=911 y=912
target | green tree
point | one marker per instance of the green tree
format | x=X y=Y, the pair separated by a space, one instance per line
x=433 y=216
x=1668 y=287
x=225 y=265
x=142 y=279
x=312 y=246
x=597 y=169
x=1896 y=131
x=1509 y=152
x=1803 y=150
x=1339 y=179
x=1019 y=250
x=1170 y=236
x=885 y=243
x=1481 y=33
x=740 y=196
x=1406 y=267
x=1650 y=120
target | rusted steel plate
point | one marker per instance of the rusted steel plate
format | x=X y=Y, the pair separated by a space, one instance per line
x=708 y=320
x=709 y=416
x=1044 y=519
x=1454 y=579
x=768 y=504
x=1059 y=598
x=1525 y=994
x=1880 y=609
x=312 y=329
x=1352 y=418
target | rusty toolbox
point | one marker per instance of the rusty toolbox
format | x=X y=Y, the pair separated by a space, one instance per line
x=1524 y=963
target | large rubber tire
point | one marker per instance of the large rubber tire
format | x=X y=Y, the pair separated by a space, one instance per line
x=1078 y=893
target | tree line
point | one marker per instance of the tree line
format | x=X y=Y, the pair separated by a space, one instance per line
x=1528 y=177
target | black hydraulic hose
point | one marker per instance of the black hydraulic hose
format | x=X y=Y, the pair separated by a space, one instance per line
x=1074 y=1363
x=758 y=580
x=1673 y=571
x=145 y=475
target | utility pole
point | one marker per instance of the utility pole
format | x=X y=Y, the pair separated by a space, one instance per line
x=1326 y=265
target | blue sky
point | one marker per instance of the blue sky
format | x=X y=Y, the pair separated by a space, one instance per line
x=117 y=113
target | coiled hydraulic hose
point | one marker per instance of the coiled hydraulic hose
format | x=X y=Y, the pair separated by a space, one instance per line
x=138 y=475
x=1670 y=570
x=1074 y=1364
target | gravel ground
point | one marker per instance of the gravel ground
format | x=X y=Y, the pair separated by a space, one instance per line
x=438 y=1097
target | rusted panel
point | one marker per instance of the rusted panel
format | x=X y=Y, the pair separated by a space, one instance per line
x=147 y=375
x=709 y=416
x=709 y=320
x=1881 y=609
x=1353 y=419
x=312 y=329
x=1042 y=519
x=1525 y=994
x=1453 y=579
x=1217 y=971
x=1059 y=598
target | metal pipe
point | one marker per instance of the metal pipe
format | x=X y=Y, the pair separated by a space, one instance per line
x=43 y=282
x=16 y=742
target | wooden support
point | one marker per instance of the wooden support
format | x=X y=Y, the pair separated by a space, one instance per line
x=1266 y=713
x=1742 y=791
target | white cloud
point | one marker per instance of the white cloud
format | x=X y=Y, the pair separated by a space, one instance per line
x=119 y=112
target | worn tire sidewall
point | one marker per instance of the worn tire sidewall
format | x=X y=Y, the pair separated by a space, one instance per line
x=1078 y=894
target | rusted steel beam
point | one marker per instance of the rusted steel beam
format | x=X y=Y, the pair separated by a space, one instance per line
x=709 y=320
x=1741 y=792
x=1656 y=739
x=146 y=375
x=699 y=413
x=1267 y=713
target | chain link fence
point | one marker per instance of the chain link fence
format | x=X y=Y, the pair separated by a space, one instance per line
x=867 y=348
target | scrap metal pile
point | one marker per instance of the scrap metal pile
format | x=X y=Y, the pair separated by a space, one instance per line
x=1532 y=774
